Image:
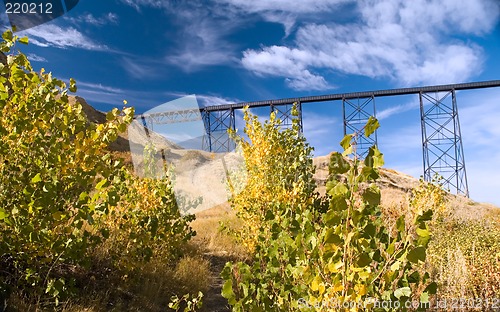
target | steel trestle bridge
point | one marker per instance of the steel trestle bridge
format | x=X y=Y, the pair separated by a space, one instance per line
x=441 y=136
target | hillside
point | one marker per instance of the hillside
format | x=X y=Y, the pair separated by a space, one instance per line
x=396 y=186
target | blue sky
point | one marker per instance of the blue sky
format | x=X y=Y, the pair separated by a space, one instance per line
x=150 y=52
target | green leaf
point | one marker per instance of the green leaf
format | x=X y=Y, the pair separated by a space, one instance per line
x=431 y=288
x=372 y=195
x=370 y=230
x=368 y=174
x=72 y=85
x=348 y=151
x=400 y=224
x=416 y=254
x=83 y=196
x=391 y=248
x=402 y=292
x=110 y=116
x=414 y=277
x=340 y=190
x=36 y=178
x=3 y=214
x=7 y=35
x=364 y=259
x=424 y=297
x=105 y=233
x=423 y=232
x=371 y=126
x=338 y=164
x=375 y=158
x=395 y=266
x=346 y=142
x=331 y=237
x=227 y=291
x=426 y=216
x=101 y=184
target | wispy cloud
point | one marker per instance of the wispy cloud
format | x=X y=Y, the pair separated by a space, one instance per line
x=299 y=7
x=137 y=4
x=140 y=68
x=110 y=18
x=99 y=93
x=51 y=35
x=203 y=45
x=36 y=58
x=203 y=30
x=397 y=109
x=282 y=11
x=391 y=39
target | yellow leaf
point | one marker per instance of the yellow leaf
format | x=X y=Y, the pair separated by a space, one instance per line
x=338 y=287
x=360 y=289
x=334 y=267
x=315 y=283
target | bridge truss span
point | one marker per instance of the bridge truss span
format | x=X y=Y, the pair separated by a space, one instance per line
x=442 y=146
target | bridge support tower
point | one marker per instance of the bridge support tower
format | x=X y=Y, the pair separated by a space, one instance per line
x=216 y=137
x=442 y=140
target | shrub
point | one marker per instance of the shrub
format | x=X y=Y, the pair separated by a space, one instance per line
x=53 y=169
x=278 y=170
x=315 y=253
x=62 y=194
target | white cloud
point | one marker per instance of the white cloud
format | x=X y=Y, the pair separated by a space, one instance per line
x=36 y=58
x=110 y=18
x=136 y=4
x=203 y=45
x=409 y=42
x=202 y=33
x=96 y=92
x=283 y=12
x=304 y=6
x=100 y=87
x=397 y=109
x=285 y=62
x=50 y=35
x=142 y=68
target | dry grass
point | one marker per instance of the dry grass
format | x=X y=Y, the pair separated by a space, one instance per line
x=464 y=253
x=209 y=236
x=193 y=274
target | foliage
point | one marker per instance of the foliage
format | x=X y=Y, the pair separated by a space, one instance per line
x=430 y=196
x=278 y=169
x=63 y=195
x=53 y=169
x=317 y=255
x=145 y=221
x=191 y=303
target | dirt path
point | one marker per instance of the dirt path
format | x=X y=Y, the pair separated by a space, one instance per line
x=213 y=300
